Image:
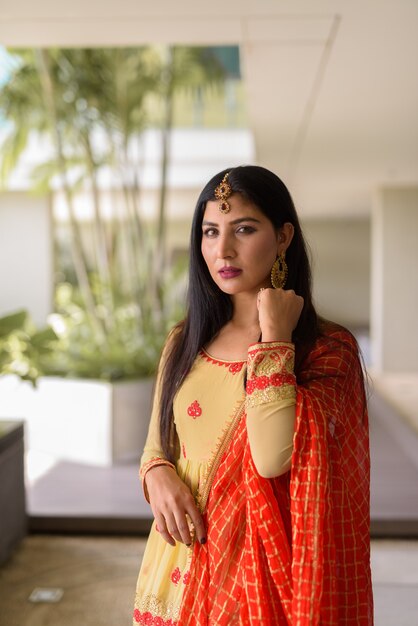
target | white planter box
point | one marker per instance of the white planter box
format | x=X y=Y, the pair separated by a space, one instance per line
x=85 y=421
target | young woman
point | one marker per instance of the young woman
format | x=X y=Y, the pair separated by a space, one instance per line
x=256 y=464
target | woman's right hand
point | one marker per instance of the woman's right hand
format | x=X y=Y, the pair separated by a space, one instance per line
x=170 y=501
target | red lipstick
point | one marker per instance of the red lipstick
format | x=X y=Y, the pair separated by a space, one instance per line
x=229 y=272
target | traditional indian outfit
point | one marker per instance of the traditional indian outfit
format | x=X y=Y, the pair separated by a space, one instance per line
x=292 y=550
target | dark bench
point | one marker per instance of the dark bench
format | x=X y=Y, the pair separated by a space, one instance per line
x=13 y=521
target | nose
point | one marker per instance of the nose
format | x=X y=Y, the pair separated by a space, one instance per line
x=225 y=248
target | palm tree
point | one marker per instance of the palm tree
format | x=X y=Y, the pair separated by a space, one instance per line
x=32 y=101
x=93 y=104
x=188 y=69
x=71 y=95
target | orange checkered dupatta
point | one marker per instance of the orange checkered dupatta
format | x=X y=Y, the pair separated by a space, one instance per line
x=293 y=550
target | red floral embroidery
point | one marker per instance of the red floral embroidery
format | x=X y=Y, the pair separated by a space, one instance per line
x=186 y=578
x=278 y=379
x=194 y=410
x=176 y=576
x=147 y=619
x=262 y=382
x=235 y=367
x=183 y=449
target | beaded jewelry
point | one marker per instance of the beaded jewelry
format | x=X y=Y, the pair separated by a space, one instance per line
x=222 y=193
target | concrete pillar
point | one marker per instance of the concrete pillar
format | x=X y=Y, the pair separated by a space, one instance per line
x=26 y=260
x=341 y=269
x=394 y=292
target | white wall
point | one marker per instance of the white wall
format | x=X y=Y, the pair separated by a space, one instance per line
x=394 y=329
x=341 y=265
x=341 y=268
x=25 y=255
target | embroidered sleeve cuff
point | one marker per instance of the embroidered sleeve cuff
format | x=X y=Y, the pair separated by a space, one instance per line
x=149 y=465
x=270 y=373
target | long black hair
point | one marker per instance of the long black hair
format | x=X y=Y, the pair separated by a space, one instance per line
x=209 y=308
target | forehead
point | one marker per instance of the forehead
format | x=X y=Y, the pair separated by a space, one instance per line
x=240 y=208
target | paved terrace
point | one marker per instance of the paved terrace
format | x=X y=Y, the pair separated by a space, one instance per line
x=78 y=498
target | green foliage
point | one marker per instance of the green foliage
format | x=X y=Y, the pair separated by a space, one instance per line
x=24 y=351
x=92 y=106
x=126 y=352
x=69 y=347
x=131 y=348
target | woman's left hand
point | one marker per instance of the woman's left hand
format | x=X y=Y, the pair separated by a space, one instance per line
x=278 y=311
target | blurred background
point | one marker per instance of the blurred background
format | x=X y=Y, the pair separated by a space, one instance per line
x=112 y=118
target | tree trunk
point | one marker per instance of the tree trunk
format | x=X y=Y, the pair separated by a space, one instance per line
x=161 y=243
x=79 y=260
x=102 y=257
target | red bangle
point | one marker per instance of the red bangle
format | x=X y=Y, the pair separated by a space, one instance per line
x=144 y=469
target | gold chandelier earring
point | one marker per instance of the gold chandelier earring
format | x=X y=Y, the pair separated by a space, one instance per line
x=279 y=272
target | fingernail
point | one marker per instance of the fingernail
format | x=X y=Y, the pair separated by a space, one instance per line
x=203 y=540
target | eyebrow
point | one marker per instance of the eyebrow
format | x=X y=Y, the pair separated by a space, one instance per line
x=237 y=221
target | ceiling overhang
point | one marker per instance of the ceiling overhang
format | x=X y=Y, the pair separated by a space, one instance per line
x=332 y=87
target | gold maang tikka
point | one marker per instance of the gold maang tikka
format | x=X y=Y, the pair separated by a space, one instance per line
x=222 y=193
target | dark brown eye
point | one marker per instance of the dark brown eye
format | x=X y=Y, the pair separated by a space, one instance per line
x=246 y=229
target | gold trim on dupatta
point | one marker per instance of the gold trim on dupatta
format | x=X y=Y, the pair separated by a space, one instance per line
x=222 y=444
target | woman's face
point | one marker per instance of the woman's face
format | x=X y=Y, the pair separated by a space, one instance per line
x=239 y=247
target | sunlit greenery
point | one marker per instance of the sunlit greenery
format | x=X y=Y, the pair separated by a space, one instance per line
x=24 y=350
x=91 y=107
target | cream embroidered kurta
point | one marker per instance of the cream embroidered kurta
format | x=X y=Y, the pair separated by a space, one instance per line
x=210 y=398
